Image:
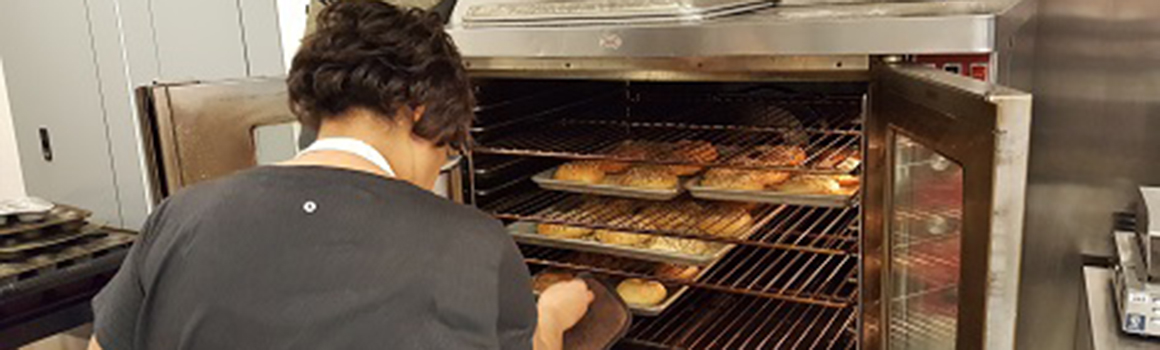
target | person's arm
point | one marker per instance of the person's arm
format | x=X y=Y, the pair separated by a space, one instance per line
x=523 y=323
x=561 y=306
x=116 y=307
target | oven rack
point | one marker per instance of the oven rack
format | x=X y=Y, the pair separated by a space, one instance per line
x=705 y=320
x=818 y=230
x=835 y=113
x=940 y=226
x=799 y=277
x=934 y=267
x=921 y=331
x=783 y=110
x=595 y=139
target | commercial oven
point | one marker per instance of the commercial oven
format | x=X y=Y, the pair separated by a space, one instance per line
x=925 y=255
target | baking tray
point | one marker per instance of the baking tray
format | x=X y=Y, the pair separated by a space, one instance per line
x=525 y=232
x=545 y=180
x=813 y=200
x=22 y=249
x=61 y=215
x=649 y=311
x=638 y=310
x=57 y=258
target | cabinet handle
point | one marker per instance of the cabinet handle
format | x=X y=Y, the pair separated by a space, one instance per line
x=45 y=144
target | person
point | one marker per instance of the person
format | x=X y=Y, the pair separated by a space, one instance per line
x=344 y=246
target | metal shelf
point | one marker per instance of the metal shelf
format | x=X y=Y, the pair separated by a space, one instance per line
x=705 y=320
x=799 y=277
x=923 y=332
x=810 y=229
x=579 y=139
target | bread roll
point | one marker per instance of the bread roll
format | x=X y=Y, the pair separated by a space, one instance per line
x=733 y=179
x=649 y=177
x=584 y=172
x=677 y=272
x=621 y=237
x=810 y=184
x=679 y=245
x=639 y=292
x=563 y=231
x=694 y=152
x=783 y=155
x=848 y=180
x=546 y=279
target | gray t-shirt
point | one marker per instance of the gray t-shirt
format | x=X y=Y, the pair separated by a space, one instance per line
x=245 y=263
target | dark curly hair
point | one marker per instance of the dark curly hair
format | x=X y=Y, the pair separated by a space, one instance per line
x=369 y=54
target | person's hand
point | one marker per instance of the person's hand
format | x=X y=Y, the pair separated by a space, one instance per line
x=565 y=303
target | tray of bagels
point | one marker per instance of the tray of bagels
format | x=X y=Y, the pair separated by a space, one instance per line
x=644 y=296
x=622 y=174
x=746 y=181
x=617 y=230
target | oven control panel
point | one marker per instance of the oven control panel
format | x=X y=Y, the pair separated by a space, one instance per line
x=977 y=66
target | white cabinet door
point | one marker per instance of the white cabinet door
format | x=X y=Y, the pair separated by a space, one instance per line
x=52 y=81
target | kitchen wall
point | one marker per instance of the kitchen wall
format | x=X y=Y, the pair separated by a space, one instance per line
x=11 y=179
x=1094 y=139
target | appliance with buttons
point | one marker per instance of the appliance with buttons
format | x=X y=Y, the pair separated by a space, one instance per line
x=1137 y=280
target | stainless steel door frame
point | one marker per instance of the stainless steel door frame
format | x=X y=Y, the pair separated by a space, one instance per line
x=984 y=128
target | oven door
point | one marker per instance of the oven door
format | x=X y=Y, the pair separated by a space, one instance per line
x=946 y=168
x=199 y=131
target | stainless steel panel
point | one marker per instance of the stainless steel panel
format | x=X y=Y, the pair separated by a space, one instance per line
x=1148 y=229
x=610 y=11
x=782 y=31
x=788 y=68
x=51 y=76
x=1099 y=323
x=1093 y=142
x=983 y=128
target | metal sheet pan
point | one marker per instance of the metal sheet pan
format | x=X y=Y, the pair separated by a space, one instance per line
x=525 y=232
x=30 y=268
x=815 y=200
x=61 y=215
x=619 y=10
x=545 y=180
x=20 y=250
x=655 y=310
x=650 y=311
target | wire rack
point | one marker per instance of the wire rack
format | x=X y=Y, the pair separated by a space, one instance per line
x=815 y=279
x=799 y=228
x=579 y=139
x=589 y=128
x=706 y=320
x=789 y=112
x=792 y=281
x=923 y=331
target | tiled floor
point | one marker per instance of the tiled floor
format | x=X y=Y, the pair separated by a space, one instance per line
x=76 y=339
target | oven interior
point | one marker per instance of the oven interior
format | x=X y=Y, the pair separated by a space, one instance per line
x=792 y=284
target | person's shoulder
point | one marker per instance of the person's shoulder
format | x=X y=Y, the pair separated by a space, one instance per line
x=464 y=218
x=209 y=195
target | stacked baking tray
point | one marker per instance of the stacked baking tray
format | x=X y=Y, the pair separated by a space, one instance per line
x=51 y=262
x=784 y=263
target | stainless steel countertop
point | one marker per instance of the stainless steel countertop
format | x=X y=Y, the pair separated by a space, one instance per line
x=1103 y=323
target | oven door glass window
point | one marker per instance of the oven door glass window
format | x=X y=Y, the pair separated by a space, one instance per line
x=924 y=247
